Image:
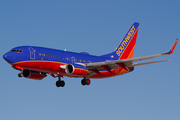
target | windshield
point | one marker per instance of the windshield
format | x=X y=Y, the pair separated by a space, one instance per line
x=18 y=51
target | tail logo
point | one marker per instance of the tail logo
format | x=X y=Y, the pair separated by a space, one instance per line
x=126 y=41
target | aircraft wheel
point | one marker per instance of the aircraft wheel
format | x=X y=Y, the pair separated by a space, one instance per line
x=85 y=82
x=88 y=82
x=60 y=83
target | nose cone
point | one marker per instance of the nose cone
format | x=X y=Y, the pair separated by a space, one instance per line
x=8 y=57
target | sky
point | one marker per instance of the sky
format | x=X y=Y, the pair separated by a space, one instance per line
x=150 y=92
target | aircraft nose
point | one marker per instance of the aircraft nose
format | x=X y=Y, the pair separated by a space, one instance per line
x=8 y=57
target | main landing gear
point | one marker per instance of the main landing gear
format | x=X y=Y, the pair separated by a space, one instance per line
x=85 y=81
x=60 y=83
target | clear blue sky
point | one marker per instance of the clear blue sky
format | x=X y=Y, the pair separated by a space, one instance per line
x=150 y=92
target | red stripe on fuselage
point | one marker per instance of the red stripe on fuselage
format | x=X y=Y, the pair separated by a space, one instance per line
x=50 y=67
x=43 y=66
x=54 y=68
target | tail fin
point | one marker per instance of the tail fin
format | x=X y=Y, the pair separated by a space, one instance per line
x=126 y=47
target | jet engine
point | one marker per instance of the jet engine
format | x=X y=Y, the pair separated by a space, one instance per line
x=33 y=74
x=75 y=69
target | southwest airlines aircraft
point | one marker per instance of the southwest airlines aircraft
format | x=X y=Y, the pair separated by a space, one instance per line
x=37 y=62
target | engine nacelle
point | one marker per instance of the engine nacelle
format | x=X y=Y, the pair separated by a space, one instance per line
x=33 y=74
x=75 y=69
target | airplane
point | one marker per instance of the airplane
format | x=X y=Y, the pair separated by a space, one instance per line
x=36 y=62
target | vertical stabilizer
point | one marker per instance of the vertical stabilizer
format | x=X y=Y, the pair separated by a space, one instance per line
x=126 y=47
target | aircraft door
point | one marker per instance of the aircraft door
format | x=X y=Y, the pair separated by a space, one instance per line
x=32 y=53
x=73 y=59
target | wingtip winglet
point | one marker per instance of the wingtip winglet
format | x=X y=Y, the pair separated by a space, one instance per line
x=172 y=48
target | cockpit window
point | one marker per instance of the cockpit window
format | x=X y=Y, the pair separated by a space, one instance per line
x=18 y=51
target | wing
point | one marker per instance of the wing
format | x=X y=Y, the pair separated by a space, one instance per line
x=109 y=65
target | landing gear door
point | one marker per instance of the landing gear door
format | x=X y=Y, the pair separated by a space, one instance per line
x=32 y=53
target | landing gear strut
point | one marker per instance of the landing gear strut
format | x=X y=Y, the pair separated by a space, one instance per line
x=85 y=81
x=60 y=83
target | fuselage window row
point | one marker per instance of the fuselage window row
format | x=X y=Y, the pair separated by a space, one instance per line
x=65 y=58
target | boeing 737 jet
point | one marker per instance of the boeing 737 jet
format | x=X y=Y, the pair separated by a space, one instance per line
x=37 y=62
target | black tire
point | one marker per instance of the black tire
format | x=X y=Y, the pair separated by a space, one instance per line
x=62 y=83
x=58 y=83
x=83 y=82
